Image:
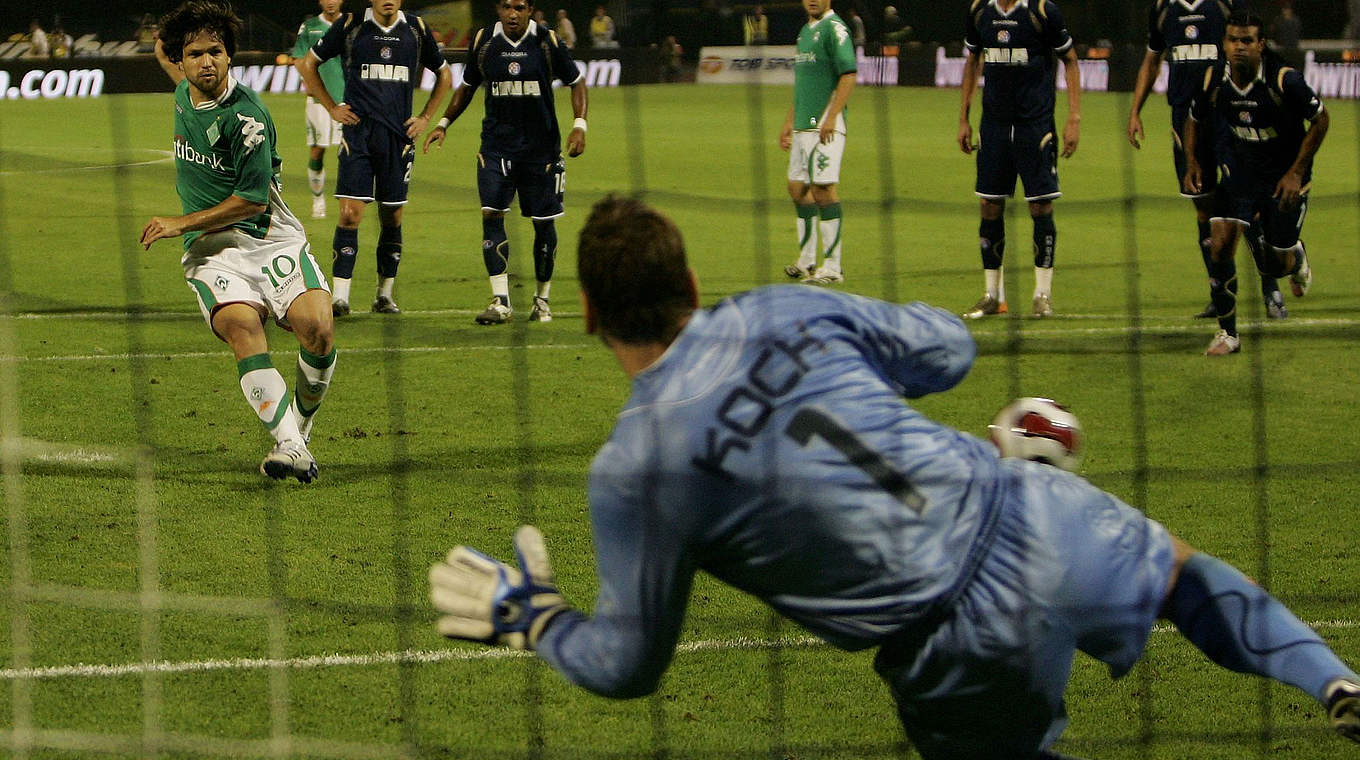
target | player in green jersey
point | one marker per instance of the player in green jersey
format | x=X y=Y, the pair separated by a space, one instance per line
x=245 y=254
x=814 y=135
x=322 y=130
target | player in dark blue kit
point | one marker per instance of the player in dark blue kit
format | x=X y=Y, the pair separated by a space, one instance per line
x=516 y=61
x=383 y=53
x=1260 y=106
x=1016 y=44
x=766 y=442
x=1187 y=34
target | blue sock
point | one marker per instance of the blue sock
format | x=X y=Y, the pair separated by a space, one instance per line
x=1243 y=628
x=1045 y=241
x=992 y=240
x=1223 y=290
x=389 y=251
x=495 y=248
x=545 y=249
x=345 y=246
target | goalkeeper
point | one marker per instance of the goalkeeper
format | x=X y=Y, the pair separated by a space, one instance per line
x=766 y=443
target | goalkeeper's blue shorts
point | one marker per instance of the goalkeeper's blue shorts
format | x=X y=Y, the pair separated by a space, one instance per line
x=1070 y=567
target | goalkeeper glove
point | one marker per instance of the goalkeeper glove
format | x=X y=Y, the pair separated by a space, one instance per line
x=483 y=599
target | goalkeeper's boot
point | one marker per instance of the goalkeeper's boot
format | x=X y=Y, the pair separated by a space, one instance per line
x=541 y=312
x=496 y=313
x=290 y=458
x=1300 y=280
x=1223 y=344
x=385 y=305
x=1043 y=307
x=1343 y=707
x=1275 y=306
x=985 y=307
x=824 y=276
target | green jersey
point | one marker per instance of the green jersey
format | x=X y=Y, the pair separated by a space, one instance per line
x=332 y=72
x=226 y=147
x=825 y=53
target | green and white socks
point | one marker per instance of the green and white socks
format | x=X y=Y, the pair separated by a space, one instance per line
x=313 y=380
x=267 y=394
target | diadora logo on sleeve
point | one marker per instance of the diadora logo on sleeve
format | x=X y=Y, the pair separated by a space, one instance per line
x=185 y=152
x=385 y=72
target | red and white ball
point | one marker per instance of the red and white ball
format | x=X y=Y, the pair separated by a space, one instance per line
x=1040 y=430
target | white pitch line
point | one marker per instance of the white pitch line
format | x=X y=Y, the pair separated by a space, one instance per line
x=430 y=656
x=220 y=354
x=165 y=156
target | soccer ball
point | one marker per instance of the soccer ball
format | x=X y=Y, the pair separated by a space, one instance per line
x=1040 y=430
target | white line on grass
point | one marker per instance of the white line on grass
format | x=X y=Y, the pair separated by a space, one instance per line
x=165 y=157
x=429 y=656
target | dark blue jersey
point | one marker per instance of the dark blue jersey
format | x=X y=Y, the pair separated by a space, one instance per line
x=1019 y=50
x=382 y=66
x=1188 y=33
x=520 y=121
x=1263 y=125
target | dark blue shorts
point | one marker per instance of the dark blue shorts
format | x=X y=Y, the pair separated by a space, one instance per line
x=1028 y=150
x=540 y=185
x=1282 y=228
x=375 y=164
x=1204 y=151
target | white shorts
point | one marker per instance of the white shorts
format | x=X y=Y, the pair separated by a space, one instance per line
x=322 y=130
x=810 y=162
x=230 y=266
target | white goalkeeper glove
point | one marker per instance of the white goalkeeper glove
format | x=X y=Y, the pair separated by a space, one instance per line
x=483 y=599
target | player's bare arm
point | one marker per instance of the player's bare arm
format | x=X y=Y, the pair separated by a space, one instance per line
x=443 y=83
x=1193 y=174
x=1290 y=187
x=1147 y=73
x=307 y=67
x=1072 y=130
x=232 y=210
x=844 y=86
x=786 y=132
x=971 y=69
x=171 y=70
x=580 y=104
x=462 y=97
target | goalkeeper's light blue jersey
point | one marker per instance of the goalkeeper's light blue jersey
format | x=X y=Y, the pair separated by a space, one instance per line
x=771 y=447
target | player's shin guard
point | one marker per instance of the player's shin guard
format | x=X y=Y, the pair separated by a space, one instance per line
x=389 y=251
x=1045 y=241
x=1223 y=291
x=345 y=247
x=495 y=248
x=807 y=234
x=1243 y=628
x=545 y=249
x=1265 y=260
x=992 y=241
x=1206 y=244
x=267 y=394
x=316 y=176
x=313 y=380
x=830 y=230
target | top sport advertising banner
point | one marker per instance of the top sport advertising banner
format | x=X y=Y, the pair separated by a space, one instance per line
x=773 y=64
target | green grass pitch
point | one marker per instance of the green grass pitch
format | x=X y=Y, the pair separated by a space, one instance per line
x=138 y=531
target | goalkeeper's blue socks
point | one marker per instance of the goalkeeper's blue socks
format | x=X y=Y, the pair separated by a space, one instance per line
x=1243 y=628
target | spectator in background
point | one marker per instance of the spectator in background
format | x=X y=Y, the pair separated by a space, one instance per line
x=756 y=26
x=671 y=53
x=566 y=31
x=37 y=41
x=540 y=18
x=895 y=29
x=1284 y=36
x=602 y=30
x=146 y=34
x=856 y=24
x=1353 y=28
x=62 y=44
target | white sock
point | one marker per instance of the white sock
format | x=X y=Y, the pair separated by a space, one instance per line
x=385 y=285
x=340 y=289
x=1043 y=281
x=996 y=286
x=267 y=394
x=807 y=237
x=316 y=180
x=830 y=230
x=500 y=286
x=543 y=288
x=311 y=385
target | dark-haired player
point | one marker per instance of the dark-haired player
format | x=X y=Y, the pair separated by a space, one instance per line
x=516 y=61
x=1187 y=35
x=1016 y=45
x=245 y=254
x=1272 y=124
x=383 y=54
